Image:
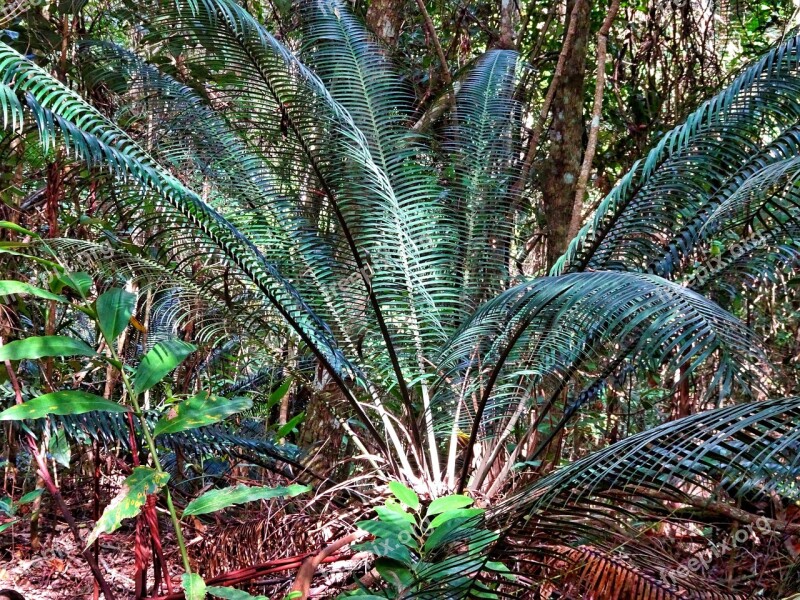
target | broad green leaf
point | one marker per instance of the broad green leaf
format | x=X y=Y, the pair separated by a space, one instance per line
x=393 y=574
x=5 y=248
x=159 y=361
x=9 y=286
x=7 y=524
x=290 y=425
x=198 y=411
x=454 y=529
x=114 y=310
x=390 y=515
x=17 y=228
x=229 y=593
x=400 y=530
x=80 y=282
x=65 y=402
x=406 y=495
x=7 y=505
x=218 y=499
x=30 y=496
x=59 y=447
x=446 y=503
x=45 y=346
x=388 y=547
x=458 y=513
x=279 y=393
x=128 y=503
x=499 y=567
x=193 y=586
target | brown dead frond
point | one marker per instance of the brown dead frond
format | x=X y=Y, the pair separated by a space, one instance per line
x=592 y=574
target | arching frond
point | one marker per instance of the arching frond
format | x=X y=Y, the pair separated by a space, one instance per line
x=58 y=110
x=651 y=205
x=530 y=338
x=716 y=461
x=483 y=149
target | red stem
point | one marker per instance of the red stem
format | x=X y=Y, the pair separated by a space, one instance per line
x=44 y=473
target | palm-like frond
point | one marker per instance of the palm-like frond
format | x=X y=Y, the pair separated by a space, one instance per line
x=243 y=183
x=714 y=461
x=98 y=141
x=483 y=148
x=317 y=202
x=521 y=349
x=323 y=136
x=652 y=213
x=248 y=442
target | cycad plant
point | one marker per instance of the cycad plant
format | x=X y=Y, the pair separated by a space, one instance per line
x=291 y=187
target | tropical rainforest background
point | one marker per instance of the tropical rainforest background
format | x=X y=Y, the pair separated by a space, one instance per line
x=393 y=299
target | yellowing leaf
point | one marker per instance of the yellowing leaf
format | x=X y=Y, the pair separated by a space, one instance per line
x=128 y=503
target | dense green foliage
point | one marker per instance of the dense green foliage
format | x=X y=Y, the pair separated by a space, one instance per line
x=267 y=248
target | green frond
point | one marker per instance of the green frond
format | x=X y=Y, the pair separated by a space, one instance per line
x=94 y=139
x=274 y=90
x=247 y=440
x=531 y=340
x=721 y=459
x=483 y=149
x=361 y=79
x=241 y=182
x=650 y=207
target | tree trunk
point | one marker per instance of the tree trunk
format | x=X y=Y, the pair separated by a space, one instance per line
x=384 y=18
x=561 y=168
x=508 y=25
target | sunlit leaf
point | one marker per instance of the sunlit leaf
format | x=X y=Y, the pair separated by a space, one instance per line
x=279 y=393
x=218 y=499
x=30 y=496
x=406 y=495
x=9 y=286
x=290 y=425
x=7 y=524
x=59 y=447
x=17 y=228
x=44 y=346
x=65 y=402
x=446 y=503
x=229 y=593
x=80 y=282
x=200 y=410
x=193 y=586
x=159 y=361
x=114 y=310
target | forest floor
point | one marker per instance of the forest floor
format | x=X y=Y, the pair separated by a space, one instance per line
x=58 y=571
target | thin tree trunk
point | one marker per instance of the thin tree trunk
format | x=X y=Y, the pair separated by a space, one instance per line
x=533 y=142
x=594 y=126
x=437 y=46
x=561 y=168
x=508 y=25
